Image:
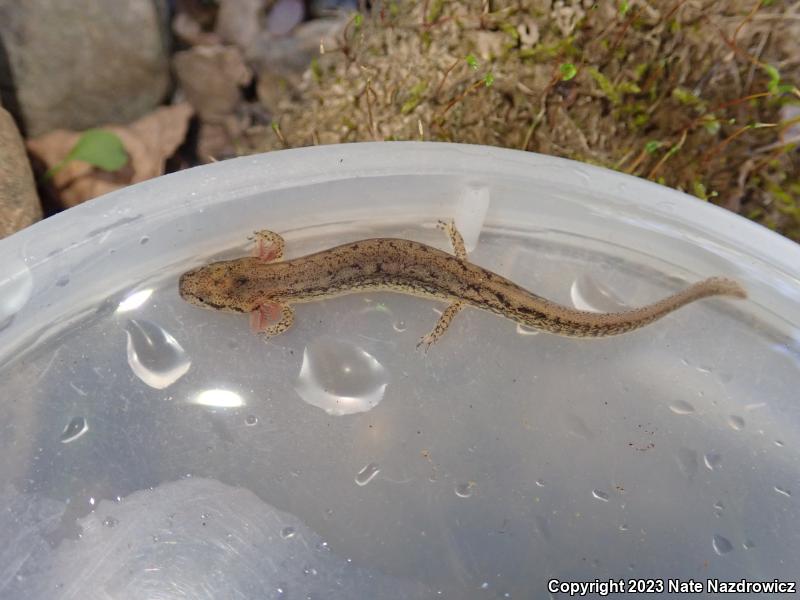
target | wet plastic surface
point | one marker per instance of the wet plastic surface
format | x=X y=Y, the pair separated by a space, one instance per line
x=155 y=449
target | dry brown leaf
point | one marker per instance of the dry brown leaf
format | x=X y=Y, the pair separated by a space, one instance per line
x=149 y=142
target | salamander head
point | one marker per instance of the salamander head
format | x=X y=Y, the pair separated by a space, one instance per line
x=221 y=286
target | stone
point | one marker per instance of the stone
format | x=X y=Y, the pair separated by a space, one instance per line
x=19 y=203
x=291 y=55
x=81 y=63
x=285 y=16
x=239 y=21
x=211 y=78
x=190 y=32
x=331 y=8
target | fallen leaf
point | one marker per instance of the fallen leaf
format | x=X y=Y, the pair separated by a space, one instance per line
x=149 y=142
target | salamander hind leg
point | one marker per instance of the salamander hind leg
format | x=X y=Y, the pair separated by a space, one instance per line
x=269 y=245
x=449 y=227
x=441 y=325
x=272 y=319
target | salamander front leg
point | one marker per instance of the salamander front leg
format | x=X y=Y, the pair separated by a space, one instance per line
x=272 y=319
x=441 y=325
x=449 y=227
x=269 y=245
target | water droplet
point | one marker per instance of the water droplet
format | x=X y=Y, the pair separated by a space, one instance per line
x=399 y=326
x=721 y=545
x=779 y=443
x=464 y=490
x=74 y=429
x=736 y=422
x=783 y=491
x=62 y=281
x=588 y=294
x=323 y=547
x=92 y=500
x=156 y=539
x=681 y=407
x=748 y=544
x=485 y=585
x=713 y=460
x=110 y=522
x=718 y=508
x=288 y=533
x=281 y=591
x=623 y=527
x=525 y=330
x=309 y=571
x=687 y=462
x=704 y=369
x=154 y=355
x=143 y=240
x=600 y=495
x=367 y=474
x=340 y=378
x=540 y=482
x=250 y=420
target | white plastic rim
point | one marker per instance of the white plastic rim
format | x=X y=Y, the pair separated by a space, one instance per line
x=33 y=258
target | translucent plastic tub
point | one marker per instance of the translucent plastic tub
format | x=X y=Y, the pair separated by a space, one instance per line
x=152 y=449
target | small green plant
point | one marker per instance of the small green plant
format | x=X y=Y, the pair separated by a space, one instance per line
x=568 y=71
x=98 y=147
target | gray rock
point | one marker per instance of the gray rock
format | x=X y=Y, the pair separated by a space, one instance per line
x=19 y=203
x=82 y=63
x=239 y=21
x=291 y=55
x=330 y=8
x=285 y=16
x=211 y=78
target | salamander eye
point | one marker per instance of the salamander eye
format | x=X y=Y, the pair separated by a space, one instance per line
x=240 y=281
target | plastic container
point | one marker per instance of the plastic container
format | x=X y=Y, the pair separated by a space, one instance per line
x=152 y=449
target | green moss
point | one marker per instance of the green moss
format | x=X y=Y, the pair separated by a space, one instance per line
x=435 y=10
x=605 y=85
x=415 y=95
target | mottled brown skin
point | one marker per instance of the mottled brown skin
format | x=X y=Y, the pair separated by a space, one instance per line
x=247 y=284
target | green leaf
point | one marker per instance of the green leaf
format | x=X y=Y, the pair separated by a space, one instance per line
x=774 y=78
x=652 y=146
x=488 y=79
x=358 y=19
x=624 y=7
x=98 y=147
x=472 y=61
x=568 y=71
